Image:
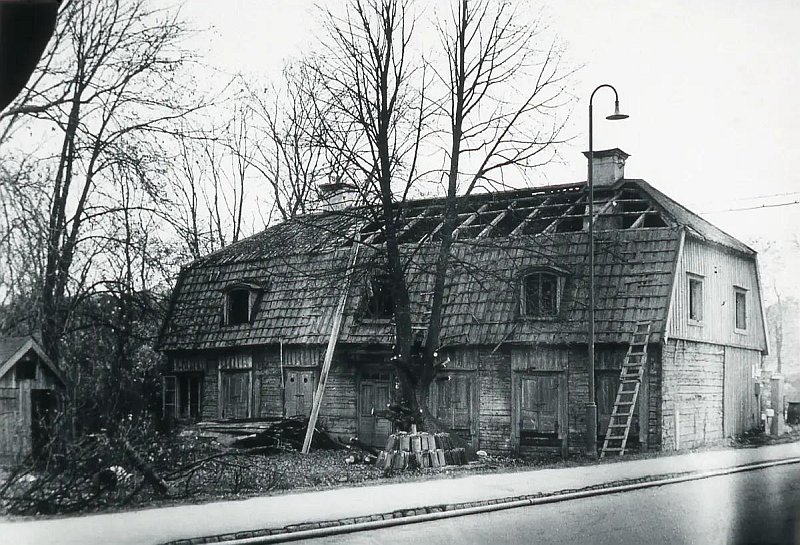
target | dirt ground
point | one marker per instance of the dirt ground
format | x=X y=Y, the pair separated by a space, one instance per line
x=200 y=470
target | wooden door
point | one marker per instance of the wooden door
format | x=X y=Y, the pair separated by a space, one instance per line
x=235 y=390
x=739 y=408
x=374 y=399
x=299 y=394
x=606 y=385
x=452 y=398
x=539 y=410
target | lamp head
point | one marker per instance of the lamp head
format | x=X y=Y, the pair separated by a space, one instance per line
x=616 y=115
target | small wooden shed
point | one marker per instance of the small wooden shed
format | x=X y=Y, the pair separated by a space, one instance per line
x=31 y=392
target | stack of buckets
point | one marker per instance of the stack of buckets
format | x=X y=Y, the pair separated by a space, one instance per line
x=419 y=450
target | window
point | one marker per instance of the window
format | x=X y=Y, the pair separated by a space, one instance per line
x=241 y=303
x=740 y=295
x=379 y=302
x=238 y=306
x=541 y=294
x=181 y=396
x=695 y=298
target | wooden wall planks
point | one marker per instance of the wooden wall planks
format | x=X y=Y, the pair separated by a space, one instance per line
x=740 y=403
x=721 y=270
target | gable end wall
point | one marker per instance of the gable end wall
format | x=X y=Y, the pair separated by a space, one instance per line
x=721 y=269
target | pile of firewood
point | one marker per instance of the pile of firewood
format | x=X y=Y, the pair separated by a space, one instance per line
x=284 y=434
x=420 y=450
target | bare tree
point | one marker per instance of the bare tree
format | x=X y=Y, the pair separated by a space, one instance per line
x=492 y=52
x=374 y=119
x=107 y=88
x=775 y=318
x=205 y=197
x=383 y=112
x=289 y=151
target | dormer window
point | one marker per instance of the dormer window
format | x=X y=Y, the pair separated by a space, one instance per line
x=541 y=293
x=380 y=303
x=240 y=304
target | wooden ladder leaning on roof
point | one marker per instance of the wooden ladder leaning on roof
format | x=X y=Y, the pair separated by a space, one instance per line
x=334 y=337
x=630 y=379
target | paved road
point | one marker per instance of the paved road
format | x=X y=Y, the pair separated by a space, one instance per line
x=760 y=507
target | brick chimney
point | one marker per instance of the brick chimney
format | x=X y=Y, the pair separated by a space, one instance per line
x=608 y=165
x=337 y=195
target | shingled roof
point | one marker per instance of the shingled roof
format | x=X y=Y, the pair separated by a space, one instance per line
x=301 y=263
x=12 y=349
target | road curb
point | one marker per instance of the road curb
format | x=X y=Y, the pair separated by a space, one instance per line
x=313 y=530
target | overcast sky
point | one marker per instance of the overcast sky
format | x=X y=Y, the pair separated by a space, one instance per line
x=712 y=88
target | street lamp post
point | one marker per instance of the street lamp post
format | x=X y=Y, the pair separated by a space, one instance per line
x=591 y=405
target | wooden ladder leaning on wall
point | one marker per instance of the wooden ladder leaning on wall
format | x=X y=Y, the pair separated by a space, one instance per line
x=630 y=380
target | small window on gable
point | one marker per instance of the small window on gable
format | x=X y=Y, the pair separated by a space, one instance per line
x=380 y=303
x=541 y=294
x=695 y=298
x=740 y=295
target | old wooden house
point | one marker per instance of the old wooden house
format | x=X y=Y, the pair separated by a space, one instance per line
x=248 y=325
x=31 y=390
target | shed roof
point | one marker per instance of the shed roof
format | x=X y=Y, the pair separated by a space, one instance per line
x=499 y=237
x=13 y=349
x=9 y=346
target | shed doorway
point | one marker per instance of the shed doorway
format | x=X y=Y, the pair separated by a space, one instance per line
x=44 y=405
x=374 y=398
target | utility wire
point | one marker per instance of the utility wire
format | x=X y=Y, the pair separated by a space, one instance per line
x=772 y=205
x=756 y=197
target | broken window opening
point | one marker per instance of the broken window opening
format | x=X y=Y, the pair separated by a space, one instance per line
x=25 y=369
x=380 y=303
x=238 y=306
